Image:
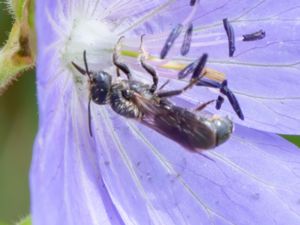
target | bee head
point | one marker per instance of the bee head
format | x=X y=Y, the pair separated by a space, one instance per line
x=100 y=84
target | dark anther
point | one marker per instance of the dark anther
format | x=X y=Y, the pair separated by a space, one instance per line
x=195 y=67
x=188 y=69
x=197 y=74
x=194 y=79
x=254 y=36
x=192 y=2
x=219 y=102
x=230 y=35
x=232 y=99
x=186 y=44
x=170 y=40
x=225 y=91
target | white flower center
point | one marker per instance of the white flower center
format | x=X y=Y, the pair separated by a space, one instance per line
x=96 y=38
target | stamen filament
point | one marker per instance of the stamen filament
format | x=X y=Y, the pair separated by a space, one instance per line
x=175 y=65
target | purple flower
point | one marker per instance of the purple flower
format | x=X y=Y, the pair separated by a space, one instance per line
x=130 y=174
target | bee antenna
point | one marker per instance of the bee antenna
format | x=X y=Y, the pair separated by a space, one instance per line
x=90 y=117
x=86 y=64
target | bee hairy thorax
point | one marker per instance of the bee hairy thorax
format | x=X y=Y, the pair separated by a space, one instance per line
x=123 y=105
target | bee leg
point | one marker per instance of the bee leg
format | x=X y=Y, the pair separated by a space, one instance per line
x=206 y=156
x=165 y=94
x=196 y=76
x=147 y=67
x=118 y=72
x=219 y=102
x=164 y=84
x=152 y=72
x=203 y=105
x=120 y=66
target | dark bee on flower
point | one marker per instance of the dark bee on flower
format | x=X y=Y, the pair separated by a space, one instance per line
x=136 y=100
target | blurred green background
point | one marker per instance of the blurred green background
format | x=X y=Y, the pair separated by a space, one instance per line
x=18 y=125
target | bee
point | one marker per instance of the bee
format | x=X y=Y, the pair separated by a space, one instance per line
x=142 y=102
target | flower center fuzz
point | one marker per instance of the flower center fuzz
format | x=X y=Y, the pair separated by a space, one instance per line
x=96 y=38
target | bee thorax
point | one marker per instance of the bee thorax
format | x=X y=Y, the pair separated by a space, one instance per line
x=123 y=106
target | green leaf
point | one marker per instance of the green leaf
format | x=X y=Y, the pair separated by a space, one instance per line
x=1 y=223
x=18 y=54
x=293 y=138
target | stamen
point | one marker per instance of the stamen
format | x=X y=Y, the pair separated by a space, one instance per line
x=176 y=31
x=174 y=65
x=232 y=99
x=209 y=83
x=219 y=102
x=170 y=40
x=186 y=44
x=197 y=74
x=188 y=69
x=258 y=35
x=230 y=35
x=225 y=91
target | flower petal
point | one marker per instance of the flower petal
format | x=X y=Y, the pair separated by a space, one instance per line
x=129 y=174
x=135 y=175
x=256 y=67
x=65 y=181
x=162 y=177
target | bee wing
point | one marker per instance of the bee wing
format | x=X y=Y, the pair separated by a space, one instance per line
x=176 y=123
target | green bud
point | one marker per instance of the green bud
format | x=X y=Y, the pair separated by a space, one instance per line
x=18 y=54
